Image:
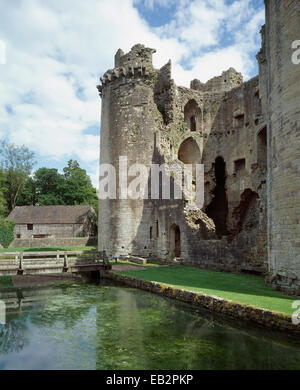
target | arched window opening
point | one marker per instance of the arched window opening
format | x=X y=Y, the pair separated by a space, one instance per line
x=193 y=115
x=189 y=153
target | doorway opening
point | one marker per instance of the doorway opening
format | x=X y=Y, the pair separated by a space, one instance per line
x=262 y=148
x=175 y=241
x=218 y=208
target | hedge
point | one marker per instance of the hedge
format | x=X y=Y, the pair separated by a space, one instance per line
x=6 y=232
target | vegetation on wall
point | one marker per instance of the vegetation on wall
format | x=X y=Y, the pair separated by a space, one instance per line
x=6 y=232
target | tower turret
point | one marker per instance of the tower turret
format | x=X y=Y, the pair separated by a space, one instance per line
x=128 y=124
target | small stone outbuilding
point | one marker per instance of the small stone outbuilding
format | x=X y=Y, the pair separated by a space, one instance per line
x=37 y=222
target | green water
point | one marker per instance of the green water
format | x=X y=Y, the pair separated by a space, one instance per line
x=108 y=327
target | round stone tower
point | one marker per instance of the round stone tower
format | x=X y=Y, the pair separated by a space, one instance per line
x=128 y=126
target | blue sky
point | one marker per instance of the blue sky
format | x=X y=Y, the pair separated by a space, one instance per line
x=57 y=50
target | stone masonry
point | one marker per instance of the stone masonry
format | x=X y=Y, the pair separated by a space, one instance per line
x=247 y=136
x=280 y=91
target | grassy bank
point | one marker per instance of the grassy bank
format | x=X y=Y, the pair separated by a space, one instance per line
x=51 y=249
x=246 y=289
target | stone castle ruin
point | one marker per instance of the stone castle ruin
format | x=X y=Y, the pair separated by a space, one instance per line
x=247 y=136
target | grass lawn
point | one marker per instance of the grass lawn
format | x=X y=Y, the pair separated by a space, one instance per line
x=52 y=249
x=247 y=289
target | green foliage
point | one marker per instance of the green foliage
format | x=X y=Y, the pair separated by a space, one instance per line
x=6 y=232
x=49 y=187
x=28 y=193
x=3 y=190
x=183 y=127
x=16 y=162
x=78 y=189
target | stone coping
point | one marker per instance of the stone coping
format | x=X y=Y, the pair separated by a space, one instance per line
x=266 y=318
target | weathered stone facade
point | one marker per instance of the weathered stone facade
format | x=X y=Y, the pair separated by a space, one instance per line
x=221 y=124
x=40 y=231
x=51 y=222
x=53 y=242
x=280 y=91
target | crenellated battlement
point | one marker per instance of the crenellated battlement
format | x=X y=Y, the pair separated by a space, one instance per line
x=135 y=64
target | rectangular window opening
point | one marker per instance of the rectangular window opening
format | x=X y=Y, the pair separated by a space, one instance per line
x=239 y=165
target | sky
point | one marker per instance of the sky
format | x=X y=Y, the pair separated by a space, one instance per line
x=53 y=52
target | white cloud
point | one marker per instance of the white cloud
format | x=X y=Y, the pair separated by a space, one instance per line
x=57 y=50
x=152 y=3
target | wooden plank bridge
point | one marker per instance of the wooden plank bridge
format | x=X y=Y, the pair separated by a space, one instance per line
x=33 y=263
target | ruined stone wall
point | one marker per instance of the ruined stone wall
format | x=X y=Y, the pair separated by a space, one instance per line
x=234 y=136
x=146 y=117
x=279 y=79
x=228 y=125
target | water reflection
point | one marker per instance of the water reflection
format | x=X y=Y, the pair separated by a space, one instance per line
x=107 y=327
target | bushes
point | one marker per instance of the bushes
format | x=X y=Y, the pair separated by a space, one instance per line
x=6 y=232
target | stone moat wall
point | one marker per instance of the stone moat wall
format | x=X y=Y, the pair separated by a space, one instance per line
x=250 y=314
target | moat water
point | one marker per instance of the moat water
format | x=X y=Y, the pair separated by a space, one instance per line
x=88 y=326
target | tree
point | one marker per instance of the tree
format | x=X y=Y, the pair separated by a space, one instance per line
x=50 y=187
x=17 y=163
x=78 y=189
x=3 y=190
x=28 y=196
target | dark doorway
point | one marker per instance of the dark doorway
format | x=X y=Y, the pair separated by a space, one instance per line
x=175 y=242
x=218 y=208
x=262 y=148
